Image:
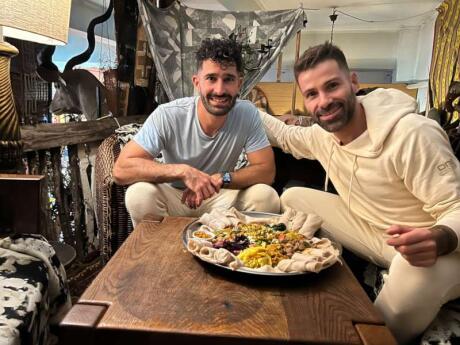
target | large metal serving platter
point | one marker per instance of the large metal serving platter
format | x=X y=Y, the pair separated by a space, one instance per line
x=187 y=233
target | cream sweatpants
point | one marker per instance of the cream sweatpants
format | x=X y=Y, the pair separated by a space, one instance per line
x=411 y=296
x=143 y=198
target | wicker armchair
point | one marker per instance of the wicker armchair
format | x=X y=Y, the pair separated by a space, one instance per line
x=113 y=220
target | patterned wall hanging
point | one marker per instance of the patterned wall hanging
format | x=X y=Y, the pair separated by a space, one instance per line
x=175 y=33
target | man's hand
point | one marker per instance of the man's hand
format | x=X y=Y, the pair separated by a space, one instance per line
x=189 y=199
x=217 y=181
x=200 y=186
x=199 y=182
x=422 y=246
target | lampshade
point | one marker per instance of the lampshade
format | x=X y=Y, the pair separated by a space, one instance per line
x=41 y=21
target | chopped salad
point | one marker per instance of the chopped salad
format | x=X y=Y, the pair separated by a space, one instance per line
x=260 y=244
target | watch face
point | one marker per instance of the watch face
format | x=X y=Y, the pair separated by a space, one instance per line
x=226 y=178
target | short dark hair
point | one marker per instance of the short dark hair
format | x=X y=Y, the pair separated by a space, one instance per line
x=225 y=52
x=320 y=53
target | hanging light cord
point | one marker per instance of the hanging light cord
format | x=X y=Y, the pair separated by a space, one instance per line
x=333 y=18
x=383 y=21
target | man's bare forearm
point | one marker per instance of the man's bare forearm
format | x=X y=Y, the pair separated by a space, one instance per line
x=251 y=175
x=140 y=169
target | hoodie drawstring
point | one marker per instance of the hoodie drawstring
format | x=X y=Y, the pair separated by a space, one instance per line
x=352 y=177
x=350 y=186
x=331 y=152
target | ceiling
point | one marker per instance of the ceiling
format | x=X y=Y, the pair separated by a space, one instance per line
x=387 y=15
x=373 y=24
x=83 y=11
x=374 y=15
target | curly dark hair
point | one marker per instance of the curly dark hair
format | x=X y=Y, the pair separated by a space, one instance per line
x=320 y=53
x=225 y=52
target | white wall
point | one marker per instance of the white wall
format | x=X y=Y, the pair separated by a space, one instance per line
x=425 y=48
x=364 y=51
x=406 y=53
x=414 y=49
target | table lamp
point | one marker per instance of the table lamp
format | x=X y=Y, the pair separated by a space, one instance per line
x=40 y=21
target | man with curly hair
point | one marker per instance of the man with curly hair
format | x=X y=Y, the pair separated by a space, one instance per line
x=201 y=139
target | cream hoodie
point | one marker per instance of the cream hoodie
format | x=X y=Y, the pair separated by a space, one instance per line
x=401 y=170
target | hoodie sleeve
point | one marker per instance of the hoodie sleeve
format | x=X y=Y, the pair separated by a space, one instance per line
x=432 y=173
x=295 y=140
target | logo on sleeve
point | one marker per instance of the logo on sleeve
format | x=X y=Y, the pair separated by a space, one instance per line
x=444 y=168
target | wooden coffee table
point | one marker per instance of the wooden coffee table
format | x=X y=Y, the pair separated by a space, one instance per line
x=154 y=292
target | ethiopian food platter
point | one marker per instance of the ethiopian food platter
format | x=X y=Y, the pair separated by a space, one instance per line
x=261 y=243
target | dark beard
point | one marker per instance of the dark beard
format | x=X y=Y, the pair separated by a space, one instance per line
x=217 y=111
x=342 y=119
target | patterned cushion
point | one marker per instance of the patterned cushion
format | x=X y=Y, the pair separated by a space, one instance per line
x=33 y=290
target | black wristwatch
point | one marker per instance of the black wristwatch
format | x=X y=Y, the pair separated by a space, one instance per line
x=226 y=179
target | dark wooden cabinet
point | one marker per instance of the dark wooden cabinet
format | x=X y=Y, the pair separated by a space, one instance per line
x=20 y=204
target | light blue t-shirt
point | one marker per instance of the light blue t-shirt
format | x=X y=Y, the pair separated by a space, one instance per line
x=174 y=130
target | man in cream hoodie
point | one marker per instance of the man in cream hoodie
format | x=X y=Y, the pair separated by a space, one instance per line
x=398 y=184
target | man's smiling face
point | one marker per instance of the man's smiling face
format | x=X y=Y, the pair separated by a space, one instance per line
x=329 y=95
x=218 y=86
